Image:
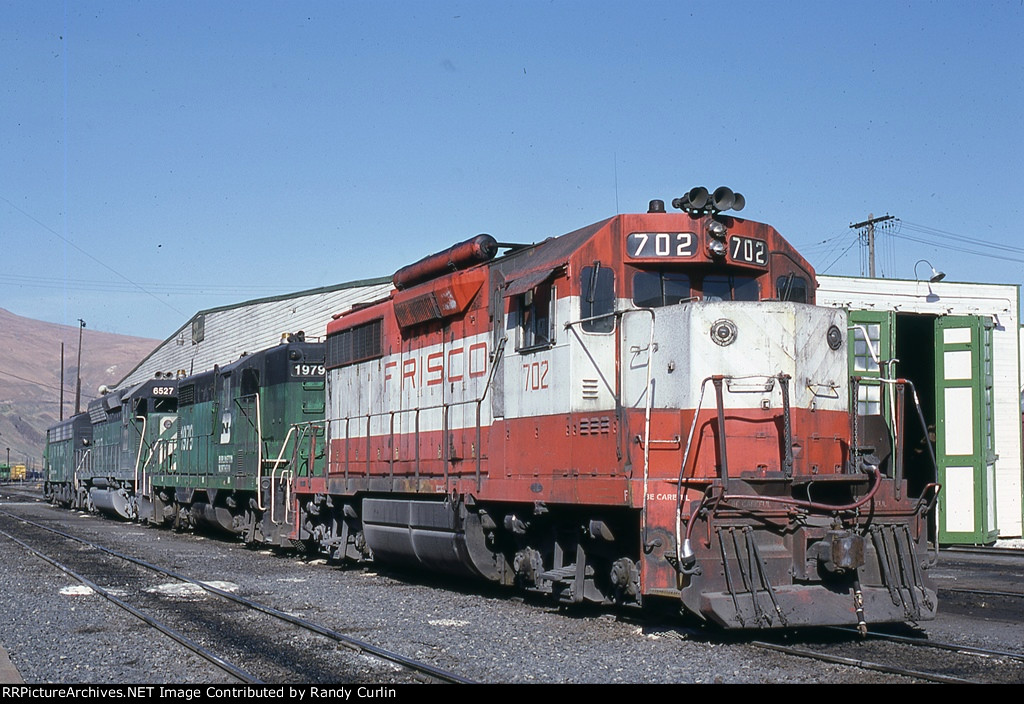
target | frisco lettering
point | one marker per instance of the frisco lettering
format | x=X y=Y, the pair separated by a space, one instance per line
x=453 y=365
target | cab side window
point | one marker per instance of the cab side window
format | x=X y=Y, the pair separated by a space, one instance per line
x=597 y=298
x=791 y=288
x=536 y=326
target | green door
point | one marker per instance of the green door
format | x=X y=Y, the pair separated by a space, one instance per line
x=964 y=443
x=872 y=341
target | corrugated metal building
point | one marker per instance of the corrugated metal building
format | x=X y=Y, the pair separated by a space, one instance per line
x=222 y=335
x=960 y=345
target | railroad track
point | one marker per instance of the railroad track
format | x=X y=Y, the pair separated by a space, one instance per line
x=981 y=592
x=982 y=550
x=417 y=668
x=956 y=663
x=23 y=492
x=975 y=603
x=912 y=657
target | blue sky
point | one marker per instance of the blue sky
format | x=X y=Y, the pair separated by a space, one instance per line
x=158 y=158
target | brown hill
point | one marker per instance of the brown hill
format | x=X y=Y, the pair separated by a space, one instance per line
x=30 y=377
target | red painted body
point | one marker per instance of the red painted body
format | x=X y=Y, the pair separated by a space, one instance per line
x=531 y=420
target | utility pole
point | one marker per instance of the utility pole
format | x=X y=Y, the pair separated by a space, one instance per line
x=62 y=381
x=78 y=384
x=870 y=225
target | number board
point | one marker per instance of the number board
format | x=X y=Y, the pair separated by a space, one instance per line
x=163 y=390
x=661 y=245
x=307 y=369
x=748 y=250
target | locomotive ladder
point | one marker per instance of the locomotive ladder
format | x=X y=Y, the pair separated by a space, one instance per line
x=301 y=431
x=84 y=462
x=720 y=382
x=138 y=456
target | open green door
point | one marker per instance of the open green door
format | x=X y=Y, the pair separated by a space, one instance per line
x=872 y=345
x=964 y=443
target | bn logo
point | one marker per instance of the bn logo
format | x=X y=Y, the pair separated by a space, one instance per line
x=225 y=428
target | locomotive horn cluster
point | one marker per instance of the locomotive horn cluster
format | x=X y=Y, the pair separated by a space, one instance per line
x=697 y=201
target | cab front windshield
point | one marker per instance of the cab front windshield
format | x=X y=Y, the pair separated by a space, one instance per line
x=654 y=289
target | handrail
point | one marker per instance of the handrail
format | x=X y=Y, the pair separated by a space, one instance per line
x=917 y=406
x=138 y=455
x=74 y=475
x=149 y=458
x=682 y=470
x=682 y=545
x=273 y=470
x=390 y=414
x=273 y=477
x=647 y=422
x=259 y=446
x=648 y=394
x=287 y=493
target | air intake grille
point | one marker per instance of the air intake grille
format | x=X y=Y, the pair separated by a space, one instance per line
x=187 y=395
x=356 y=344
x=418 y=310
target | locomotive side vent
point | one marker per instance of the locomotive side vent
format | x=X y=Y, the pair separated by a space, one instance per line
x=590 y=389
x=356 y=344
x=595 y=426
x=418 y=310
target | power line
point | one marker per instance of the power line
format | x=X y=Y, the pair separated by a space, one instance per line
x=36 y=382
x=940 y=239
x=825 y=244
x=118 y=286
x=923 y=229
x=98 y=261
x=841 y=255
x=963 y=250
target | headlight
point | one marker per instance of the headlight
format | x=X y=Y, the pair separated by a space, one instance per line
x=717 y=230
x=716 y=248
x=834 y=337
x=723 y=332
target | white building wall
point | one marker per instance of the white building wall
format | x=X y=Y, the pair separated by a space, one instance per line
x=1001 y=302
x=252 y=326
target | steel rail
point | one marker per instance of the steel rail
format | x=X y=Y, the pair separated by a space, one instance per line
x=863 y=664
x=353 y=643
x=980 y=592
x=35 y=497
x=984 y=550
x=939 y=645
x=178 y=637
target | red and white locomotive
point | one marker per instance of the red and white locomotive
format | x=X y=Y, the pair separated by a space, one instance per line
x=650 y=407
